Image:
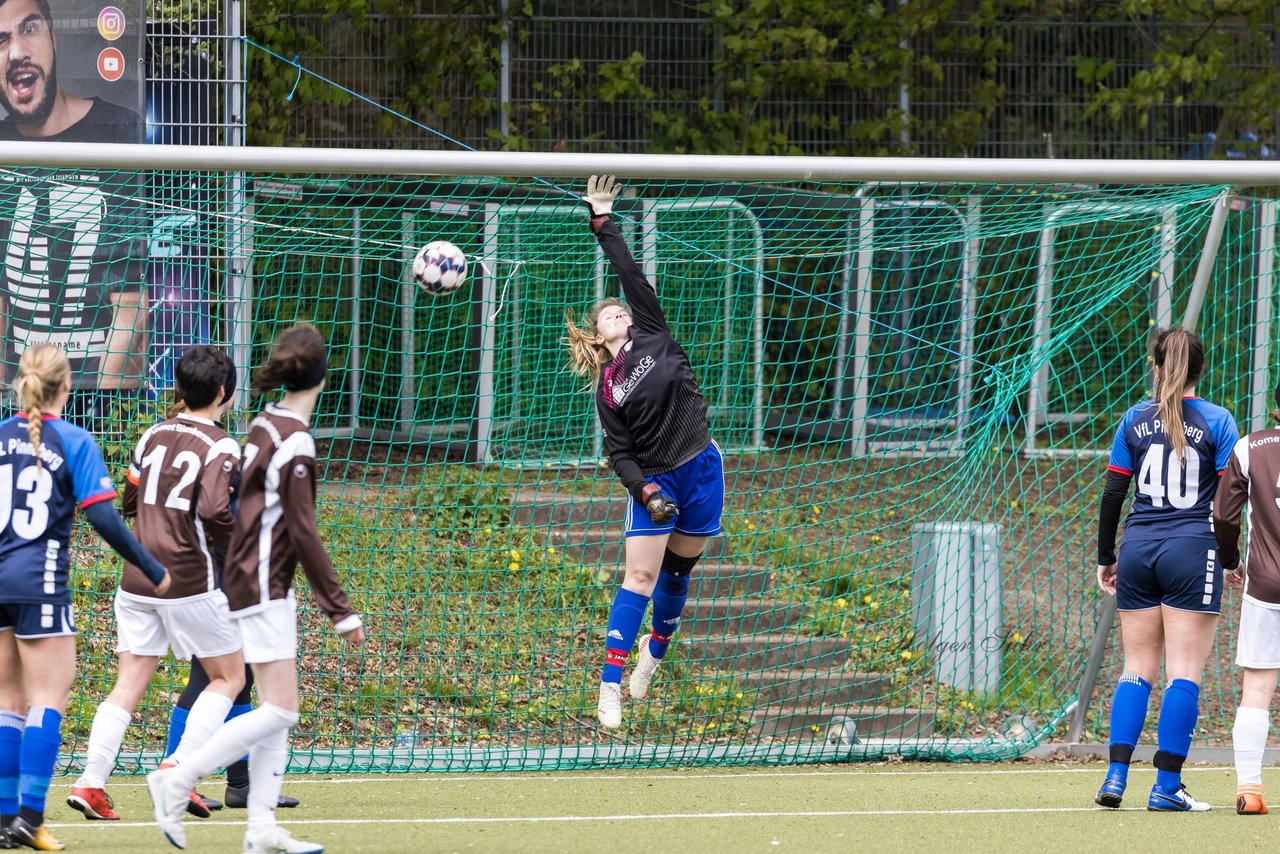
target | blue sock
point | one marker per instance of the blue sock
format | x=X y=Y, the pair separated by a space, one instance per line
x=668 y=603
x=624 y=624
x=1128 y=714
x=10 y=746
x=1178 y=713
x=40 y=742
x=177 y=726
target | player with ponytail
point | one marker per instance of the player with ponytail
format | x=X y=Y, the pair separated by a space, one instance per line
x=655 y=424
x=274 y=531
x=1167 y=579
x=48 y=468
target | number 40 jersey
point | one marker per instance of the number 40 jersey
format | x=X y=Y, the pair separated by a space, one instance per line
x=1174 y=497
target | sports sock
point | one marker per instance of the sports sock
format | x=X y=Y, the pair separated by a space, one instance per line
x=40 y=742
x=1128 y=714
x=177 y=726
x=10 y=747
x=624 y=624
x=267 y=760
x=105 y=737
x=207 y=714
x=1249 y=739
x=1178 y=713
x=238 y=771
x=231 y=741
x=669 y=596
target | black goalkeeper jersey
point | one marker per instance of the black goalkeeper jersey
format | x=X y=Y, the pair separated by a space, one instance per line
x=653 y=412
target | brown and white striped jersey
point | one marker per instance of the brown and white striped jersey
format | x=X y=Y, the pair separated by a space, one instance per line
x=179 y=488
x=275 y=527
x=1252 y=482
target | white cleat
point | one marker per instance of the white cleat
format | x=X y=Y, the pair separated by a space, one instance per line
x=277 y=840
x=170 y=803
x=609 y=710
x=643 y=672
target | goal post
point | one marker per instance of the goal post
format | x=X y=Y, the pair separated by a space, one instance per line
x=913 y=365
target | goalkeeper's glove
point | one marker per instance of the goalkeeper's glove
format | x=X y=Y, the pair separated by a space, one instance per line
x=661 y=508
x=601 y=192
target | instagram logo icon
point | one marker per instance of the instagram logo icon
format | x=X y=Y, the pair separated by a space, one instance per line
x=111 y=23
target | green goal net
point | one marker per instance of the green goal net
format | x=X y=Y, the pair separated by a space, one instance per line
x=915 y=385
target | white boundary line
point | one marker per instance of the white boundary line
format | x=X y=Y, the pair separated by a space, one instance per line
x=534 y=776
x=540 y=819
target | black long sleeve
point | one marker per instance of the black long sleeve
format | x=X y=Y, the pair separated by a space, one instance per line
x=640 y=293
x=1114 y=492
x=649 y=402
x=107 y=522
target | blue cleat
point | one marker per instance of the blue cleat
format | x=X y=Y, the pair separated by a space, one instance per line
x=1180 y=800
x=1111 y=793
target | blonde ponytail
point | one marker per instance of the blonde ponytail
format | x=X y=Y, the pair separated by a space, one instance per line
x=42 y=371
x=586 y=357
x=1180 y=356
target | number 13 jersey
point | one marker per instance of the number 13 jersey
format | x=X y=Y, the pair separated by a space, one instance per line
x=1174 y=498
x=37 y=506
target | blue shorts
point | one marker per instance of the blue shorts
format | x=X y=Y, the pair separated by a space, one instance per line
x=1181 y=572
x=28 y=620
x=697 y=488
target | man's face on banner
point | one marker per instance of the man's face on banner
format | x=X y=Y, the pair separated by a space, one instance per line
x=28 y=79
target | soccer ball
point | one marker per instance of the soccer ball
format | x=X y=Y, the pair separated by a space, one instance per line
x=439 y=268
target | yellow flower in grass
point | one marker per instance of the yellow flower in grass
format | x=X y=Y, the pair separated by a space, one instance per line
x=866 y=600
x=906 y=655
x=841 y=603
x=515 y=679
x=515 y=555
x=513 y=565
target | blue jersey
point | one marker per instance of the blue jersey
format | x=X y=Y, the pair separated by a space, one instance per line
x=37 y=506
x=1174 y=497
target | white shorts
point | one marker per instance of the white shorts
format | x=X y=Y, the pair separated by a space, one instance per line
x=1259 y=643
x=271 y=633
x=197 y=625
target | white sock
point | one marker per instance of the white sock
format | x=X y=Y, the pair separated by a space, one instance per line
x=105 y=738
x=231 y=741
x=1249 y=738
x=267 y=761
x=208 y=712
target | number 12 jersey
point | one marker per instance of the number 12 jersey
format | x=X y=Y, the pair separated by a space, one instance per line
x=1174 y=497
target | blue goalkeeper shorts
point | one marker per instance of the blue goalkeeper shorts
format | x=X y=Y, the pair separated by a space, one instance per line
x=697 y=488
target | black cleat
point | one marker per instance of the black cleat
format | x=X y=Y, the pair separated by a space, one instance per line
x=238 y=799
x=35 y=836
x=209 y=803
x=7 y=842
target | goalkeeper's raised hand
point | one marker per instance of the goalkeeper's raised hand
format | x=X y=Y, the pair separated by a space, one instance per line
x=601 y=192
x=661 y=508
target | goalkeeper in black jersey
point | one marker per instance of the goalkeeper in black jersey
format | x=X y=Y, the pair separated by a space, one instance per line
x=655 y=424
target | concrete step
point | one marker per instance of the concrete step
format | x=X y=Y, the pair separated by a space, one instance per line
x=595 y=546
x=809 y=687
x=710 y=617
x=733 y=651
x=556 y=510
x=795 y=722
x=719 y=580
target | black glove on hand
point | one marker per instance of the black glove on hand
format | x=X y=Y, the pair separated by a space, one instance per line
x=661 y=508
